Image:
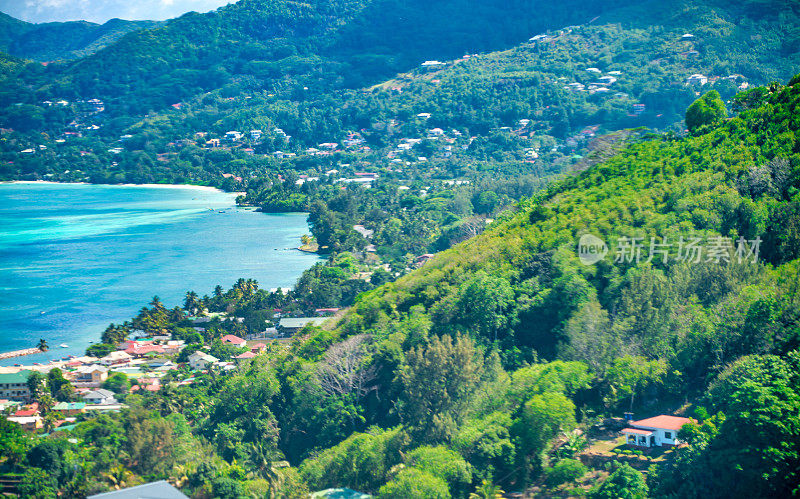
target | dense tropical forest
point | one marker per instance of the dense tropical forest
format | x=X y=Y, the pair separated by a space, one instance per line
x=499 y=136
x=60 y=41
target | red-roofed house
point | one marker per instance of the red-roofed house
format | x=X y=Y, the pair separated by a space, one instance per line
x=245 y=356
x=235 y=340
x=28 y=411
x=134 y=344
x=139 y=351
x=258 y=347
x=655 y=432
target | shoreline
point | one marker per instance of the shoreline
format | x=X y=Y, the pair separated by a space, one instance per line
x=157 y=186
x=7 y=358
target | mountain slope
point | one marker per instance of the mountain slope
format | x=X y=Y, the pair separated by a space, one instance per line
x=671 y=323
x=62 y=41
x=713 y=184
x=173 y=61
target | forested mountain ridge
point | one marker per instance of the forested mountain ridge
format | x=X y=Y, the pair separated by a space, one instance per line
x=268 y=68
x=62 y=41
x=331 y=42
x=470 y=373
x=733 y=180
x=344 y=44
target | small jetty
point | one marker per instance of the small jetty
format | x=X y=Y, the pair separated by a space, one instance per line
x=19 y=353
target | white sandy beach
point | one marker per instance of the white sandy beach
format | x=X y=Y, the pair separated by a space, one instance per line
x=159 y=186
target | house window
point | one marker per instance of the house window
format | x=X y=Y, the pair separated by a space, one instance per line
x=668 y=435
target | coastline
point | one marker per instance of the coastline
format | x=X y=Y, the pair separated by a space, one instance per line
x=157 y=186
x=74 y=334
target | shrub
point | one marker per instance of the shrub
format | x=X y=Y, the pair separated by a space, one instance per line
x=566 y=470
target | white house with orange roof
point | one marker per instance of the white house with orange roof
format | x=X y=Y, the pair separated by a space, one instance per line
x=655 y=432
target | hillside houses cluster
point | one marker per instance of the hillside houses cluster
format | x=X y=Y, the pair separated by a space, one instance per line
x=145 y=362
x=602 y=83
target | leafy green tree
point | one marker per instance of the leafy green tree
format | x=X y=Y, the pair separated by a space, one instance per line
x=483 y=304
x=566 y=470
x=114 y=335
x=36 y=382
x=542 y=418
x=362 y=461
x=624 y=483
x=37 y=484
x=553 y=377
x=443 y=463
x=228 y=488
x=241 y=415
x=438 y=381
x=380 y=277
x=629 y=375
x=59 y=385
x=117 y=383
x=706 y=111
x=150 y=442
x=14 y=442
x=487 y=445
x=486 y=202
x=100 y=350
x=412 y=483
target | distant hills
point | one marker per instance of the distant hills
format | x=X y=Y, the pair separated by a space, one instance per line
x=62 y=41
x=319 y=70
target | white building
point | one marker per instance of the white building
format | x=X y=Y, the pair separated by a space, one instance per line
x=432 y=64
x=100 y=397
x=201 y=360
x=116 y=357
x=655 y=432
x=697 y=79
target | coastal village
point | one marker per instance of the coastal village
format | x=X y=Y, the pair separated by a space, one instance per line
x=90 y=385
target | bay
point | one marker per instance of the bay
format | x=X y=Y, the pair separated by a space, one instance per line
x=75 y=257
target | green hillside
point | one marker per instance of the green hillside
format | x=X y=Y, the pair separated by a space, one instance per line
x=520 y=290
x=247 y=67
x=471 y=372
x=612 y=192
x=197 y=52
x=62 y=41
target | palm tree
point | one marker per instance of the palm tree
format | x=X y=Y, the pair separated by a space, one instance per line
x=191 y=303
x=487 y=490
x=156 y=304
x=118 y=476
x=180 y=474
x=42 y=345
x=49 y=422
x=262 y=460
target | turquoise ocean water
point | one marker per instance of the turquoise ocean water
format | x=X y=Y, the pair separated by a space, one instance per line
x=74 y=257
